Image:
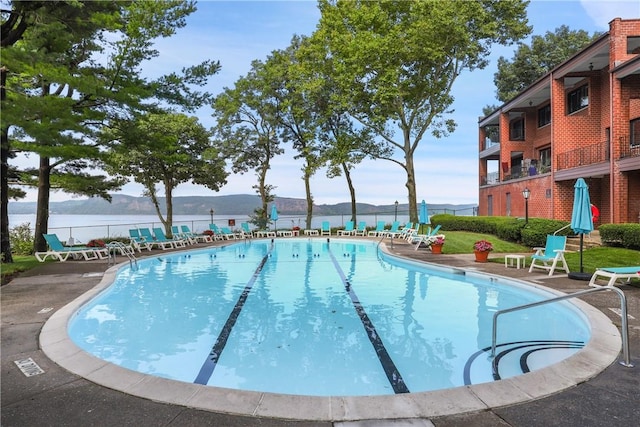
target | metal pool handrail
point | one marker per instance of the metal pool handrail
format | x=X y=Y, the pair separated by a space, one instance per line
x=623 y=313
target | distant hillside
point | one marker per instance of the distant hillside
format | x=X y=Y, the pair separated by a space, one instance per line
x=239 y=204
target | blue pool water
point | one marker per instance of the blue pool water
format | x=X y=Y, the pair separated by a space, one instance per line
x=311 y=317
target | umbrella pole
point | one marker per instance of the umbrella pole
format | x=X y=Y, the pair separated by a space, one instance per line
x=581 y=246
x=581 y=275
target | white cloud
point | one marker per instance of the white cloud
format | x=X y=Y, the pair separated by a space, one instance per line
x=602 y=12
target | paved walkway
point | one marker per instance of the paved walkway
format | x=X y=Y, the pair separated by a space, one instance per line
x=58 y=397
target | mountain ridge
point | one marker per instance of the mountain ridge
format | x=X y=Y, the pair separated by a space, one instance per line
x=237 y=204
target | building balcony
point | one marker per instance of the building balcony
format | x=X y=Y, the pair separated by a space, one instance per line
x=629 y=156
x=491 y=150
x=584 y=156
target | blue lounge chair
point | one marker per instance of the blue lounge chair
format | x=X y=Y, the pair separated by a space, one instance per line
x=361 y=230
x=325 y=230
x=137 y=241
x=148 y=237
x=246 y=231
x=431 y=236
x=161 y=237
x=614 y=274
x=203 y=238
x=62 y=252
x=379 y=231
x=552 y=253
x=394 y=230
x=348 y=229
x=178 y=234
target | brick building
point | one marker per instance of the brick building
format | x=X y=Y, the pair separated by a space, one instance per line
x=580 y=120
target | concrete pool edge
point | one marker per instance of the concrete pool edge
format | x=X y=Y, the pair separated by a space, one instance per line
x=600 y=352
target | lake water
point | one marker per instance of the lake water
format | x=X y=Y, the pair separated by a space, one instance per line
x=83 y=228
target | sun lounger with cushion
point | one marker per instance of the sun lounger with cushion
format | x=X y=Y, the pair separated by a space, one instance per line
x=614 y=274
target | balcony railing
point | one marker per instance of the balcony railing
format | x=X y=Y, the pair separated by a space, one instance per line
x=628 y=150
x=493 y=178
x=584 y=156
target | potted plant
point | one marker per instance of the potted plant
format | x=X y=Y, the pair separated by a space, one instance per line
x=436 y=245
x=481 y=249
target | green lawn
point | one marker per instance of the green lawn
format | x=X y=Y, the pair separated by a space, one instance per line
x=461 y=242
x=20 y=263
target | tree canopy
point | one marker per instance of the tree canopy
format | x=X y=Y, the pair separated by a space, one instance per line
x=168 y=149
x=395 y=63
x=534 y=60
x=76 y=67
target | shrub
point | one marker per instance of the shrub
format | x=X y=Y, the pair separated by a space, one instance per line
x=21 y=239
x=625 y=235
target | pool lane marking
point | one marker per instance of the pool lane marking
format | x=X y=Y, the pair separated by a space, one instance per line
x=390 y=369
x=212 y=359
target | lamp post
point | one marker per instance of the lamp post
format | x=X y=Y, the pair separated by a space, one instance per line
x=395 y=217
x=526 y=193
x=211 y=212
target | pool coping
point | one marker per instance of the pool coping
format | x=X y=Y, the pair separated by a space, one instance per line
x=600 y=352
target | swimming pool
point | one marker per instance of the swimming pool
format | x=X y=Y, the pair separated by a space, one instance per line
x=319 y=318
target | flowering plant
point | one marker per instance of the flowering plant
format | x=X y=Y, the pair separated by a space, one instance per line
x=296 y=228
x=96 y=243
x=482 y=246
x=439 y=240
x=208 y=232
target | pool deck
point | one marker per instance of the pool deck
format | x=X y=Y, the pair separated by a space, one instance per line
x=59 y=397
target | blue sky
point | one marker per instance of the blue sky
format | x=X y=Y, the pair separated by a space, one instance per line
x=237 y=32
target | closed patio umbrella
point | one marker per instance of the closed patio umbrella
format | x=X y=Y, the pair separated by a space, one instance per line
x=423 y=214
x=274 y=216
x=581 y=221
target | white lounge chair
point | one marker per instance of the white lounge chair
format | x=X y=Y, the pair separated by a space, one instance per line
x=348 y=229
x=552 y=253
x=362 y=229
x=379 y=231
x=614 y=274
x=204 y=238
x=427 y=238
x=62 y=252
x=325 y=230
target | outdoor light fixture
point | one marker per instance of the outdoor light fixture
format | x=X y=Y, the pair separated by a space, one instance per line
x=395 y=218
x=211 y=212
x=526 y=193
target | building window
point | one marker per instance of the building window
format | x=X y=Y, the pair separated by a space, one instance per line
x=634 y=133
x=545 y=160
x=633 y=45
x=516 y=130
x=544 y=116
x=508 y=210
x=578 y=99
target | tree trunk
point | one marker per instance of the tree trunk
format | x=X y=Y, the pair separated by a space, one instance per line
x=42 y=208
x=352 y=192
x=307 y=189
x=411 y=188
x=263 y=193
x=168 y=191
x=154 y=199
x=6 y=255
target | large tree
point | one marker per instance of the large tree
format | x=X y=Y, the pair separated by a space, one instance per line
x=395 y=62
x=67 y=79
x=341 y=144
x=532 y=61
x=298 y=115
x=246 y=132
x=167 y=149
